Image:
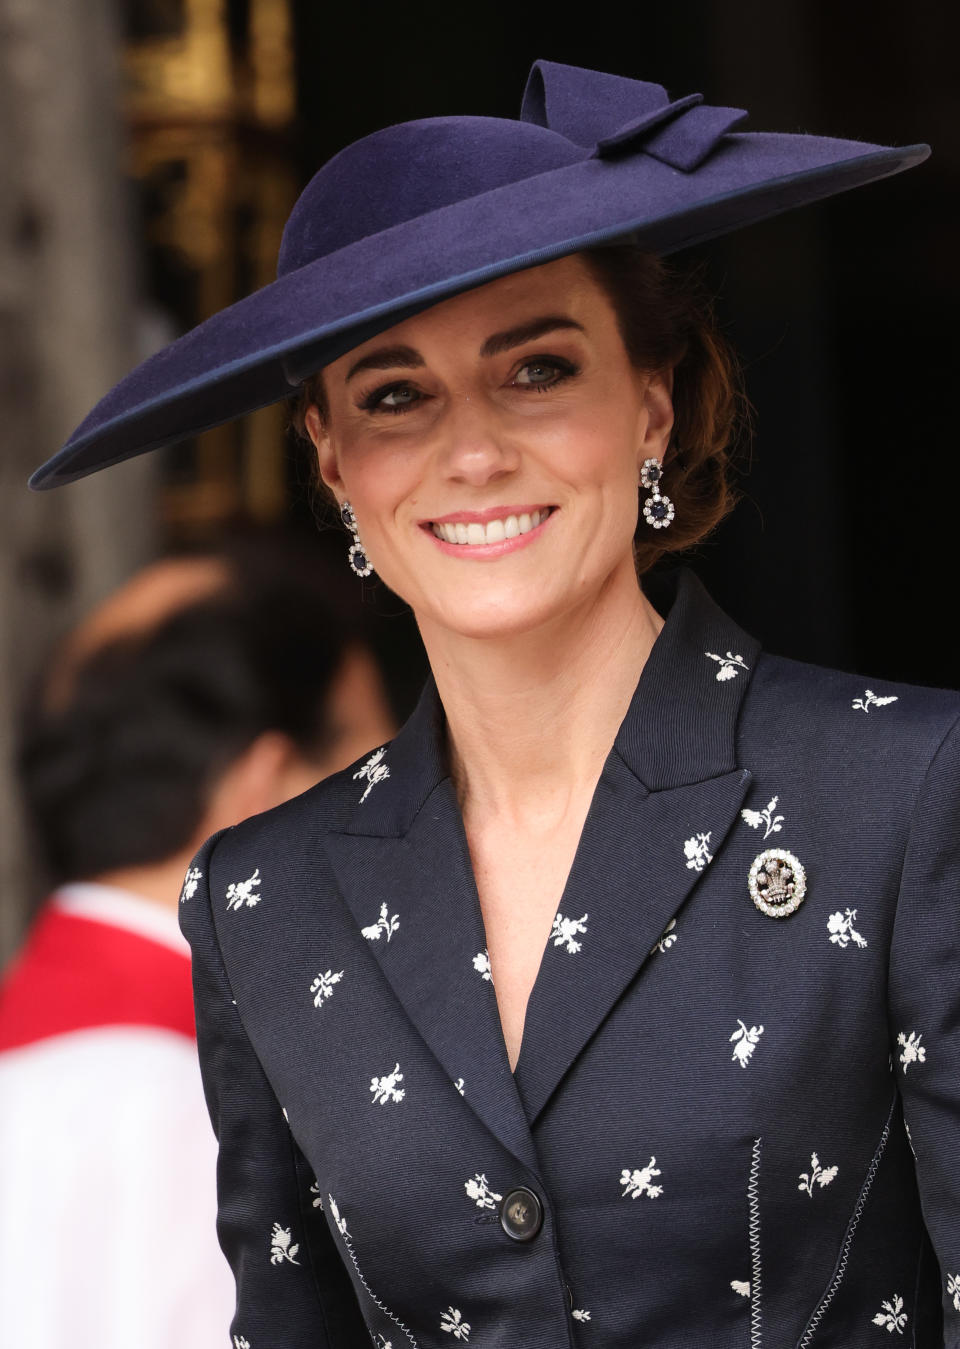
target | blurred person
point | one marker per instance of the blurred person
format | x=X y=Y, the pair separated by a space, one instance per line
x=206 y=690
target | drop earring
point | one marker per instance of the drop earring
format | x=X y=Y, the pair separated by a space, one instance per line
x=360 y=564
x=658 y=509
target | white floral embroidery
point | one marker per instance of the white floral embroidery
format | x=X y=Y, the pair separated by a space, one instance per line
x=190 y=883
x=772 y=823
x=741 y=1286
x=953 y=1290
x=240 y=1343
x=819 y=1175
x=667 y=937
x=383 y=924
x=745 y=1042
x=374 y=770
x=841 y=929
x=241 y=892
x=459 y=1085
x=580 y=1314
x=317 y=1201
x=385 y=1088
x=637 y=1183
x=893 y=1317
x=453 y=1321
x=478 y=1189
x=481 y=963
x=913 y=1050
x=280 y=1247
x=697 y=851
x=729 y=665
x=322 y=986
x=565 y=932
x=870 y=699
x=382 y=1343
x=341 y=1223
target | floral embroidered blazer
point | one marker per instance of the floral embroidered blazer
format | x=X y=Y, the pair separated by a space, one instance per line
x=724 y=1128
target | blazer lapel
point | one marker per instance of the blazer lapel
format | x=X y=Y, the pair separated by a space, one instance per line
x=409 y=862
x=668 y=795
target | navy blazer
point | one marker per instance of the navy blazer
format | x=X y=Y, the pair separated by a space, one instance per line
x=724 y=1128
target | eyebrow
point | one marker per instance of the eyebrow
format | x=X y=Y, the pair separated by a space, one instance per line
x=408 y=358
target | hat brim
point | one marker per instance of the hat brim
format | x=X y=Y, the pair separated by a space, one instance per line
x=259 y=349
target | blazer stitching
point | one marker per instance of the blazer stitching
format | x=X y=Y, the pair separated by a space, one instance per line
x=840 y=1268
x=305 y=1222
x=753 y=1204
x=348 y=1243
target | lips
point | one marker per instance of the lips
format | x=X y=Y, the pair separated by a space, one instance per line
x=496 y=529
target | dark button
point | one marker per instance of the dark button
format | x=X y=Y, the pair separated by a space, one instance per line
x=521 y=1214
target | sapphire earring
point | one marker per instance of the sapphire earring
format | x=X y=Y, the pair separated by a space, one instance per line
x=658 y=509
x=360 y=564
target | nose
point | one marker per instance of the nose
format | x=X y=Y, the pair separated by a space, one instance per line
x=476 y=447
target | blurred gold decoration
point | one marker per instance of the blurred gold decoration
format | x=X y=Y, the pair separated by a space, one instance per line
x=210 y=102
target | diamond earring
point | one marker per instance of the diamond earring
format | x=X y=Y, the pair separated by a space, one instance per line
x=360 y=564
x=658 y=510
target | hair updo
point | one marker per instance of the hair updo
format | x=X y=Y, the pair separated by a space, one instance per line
x=666 y=324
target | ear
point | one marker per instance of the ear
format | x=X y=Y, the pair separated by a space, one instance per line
x=656 y=420
x=327 y=460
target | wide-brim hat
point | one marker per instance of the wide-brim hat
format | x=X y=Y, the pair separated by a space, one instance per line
x=421 y=211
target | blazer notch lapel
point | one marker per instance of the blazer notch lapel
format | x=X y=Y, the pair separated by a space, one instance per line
x=641 y=856
x=415 y=902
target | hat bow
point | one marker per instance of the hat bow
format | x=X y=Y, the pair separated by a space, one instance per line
x=616 y=116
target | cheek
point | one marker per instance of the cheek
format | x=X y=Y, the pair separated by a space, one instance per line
x=377 y=479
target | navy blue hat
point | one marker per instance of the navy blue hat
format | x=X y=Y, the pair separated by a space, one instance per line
x=418 y=212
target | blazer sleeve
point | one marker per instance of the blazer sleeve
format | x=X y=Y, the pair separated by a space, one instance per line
x=925 y=1010
x=292 y=1291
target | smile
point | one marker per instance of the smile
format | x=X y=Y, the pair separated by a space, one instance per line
x=476 y=533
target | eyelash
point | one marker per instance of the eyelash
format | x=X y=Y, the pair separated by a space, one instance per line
x=564 y=370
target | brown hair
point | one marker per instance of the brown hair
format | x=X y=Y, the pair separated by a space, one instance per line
x=666 y=324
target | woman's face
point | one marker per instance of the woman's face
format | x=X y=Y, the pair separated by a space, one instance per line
x=454 y=433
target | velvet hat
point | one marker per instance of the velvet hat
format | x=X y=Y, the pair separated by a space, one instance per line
x=418 y=212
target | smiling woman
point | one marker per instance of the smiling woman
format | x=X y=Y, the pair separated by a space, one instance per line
x=525 y=1003
x=665 y=322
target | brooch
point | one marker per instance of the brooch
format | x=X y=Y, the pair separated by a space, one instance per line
x=777 y=883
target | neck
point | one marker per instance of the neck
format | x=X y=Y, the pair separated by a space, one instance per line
x=531 y=717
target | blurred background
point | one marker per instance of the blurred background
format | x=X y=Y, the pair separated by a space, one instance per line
x=150 y=151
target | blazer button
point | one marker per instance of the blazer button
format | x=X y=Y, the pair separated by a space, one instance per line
x=521 y=1214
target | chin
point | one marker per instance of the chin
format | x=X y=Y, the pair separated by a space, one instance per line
x=495 y=617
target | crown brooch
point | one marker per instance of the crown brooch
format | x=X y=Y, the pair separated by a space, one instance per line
x=777 y=883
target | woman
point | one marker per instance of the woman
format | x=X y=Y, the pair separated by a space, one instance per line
x=591 y=1010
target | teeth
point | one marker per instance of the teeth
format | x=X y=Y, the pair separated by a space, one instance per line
x=494 y=531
